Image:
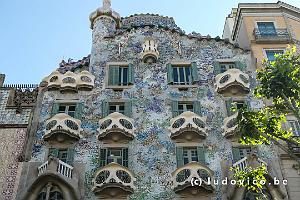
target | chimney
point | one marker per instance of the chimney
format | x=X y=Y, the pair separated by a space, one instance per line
x=2 y=78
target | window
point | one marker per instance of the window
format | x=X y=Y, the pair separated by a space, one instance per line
x=226 y=66
x=266 y=28
x=124 y=108
x=235 y=104
x=67 y=109
x=117 y=107
x=240 y=153
x=55 y=193
x=71 y=109
x=179 y=107
x=271 y=54
x=182 y=74
x=65 y=155
x=186 y=155
x=120 y=75
x=116 y=155
x=294 y=126
x=189 y=155
x=183 y=107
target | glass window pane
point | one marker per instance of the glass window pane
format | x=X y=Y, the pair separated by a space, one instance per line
x=120 y=75
x=112 y=108
x=72 y=108
x=187 y=74
x=62 y=109
x=175 y=75
x=181 y=75
x=266 y=28
x=190 y=107
x=125 y=76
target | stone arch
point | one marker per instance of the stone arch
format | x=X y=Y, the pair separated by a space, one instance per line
x=68 y=191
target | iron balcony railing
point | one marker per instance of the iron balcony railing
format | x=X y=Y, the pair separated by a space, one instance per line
x=272 y=35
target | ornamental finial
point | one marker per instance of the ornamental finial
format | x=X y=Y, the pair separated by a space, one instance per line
x=106 y=4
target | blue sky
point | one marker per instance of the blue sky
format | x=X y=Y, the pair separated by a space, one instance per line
x=36 y=35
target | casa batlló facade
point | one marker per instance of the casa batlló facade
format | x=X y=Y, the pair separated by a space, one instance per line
x=143 y=114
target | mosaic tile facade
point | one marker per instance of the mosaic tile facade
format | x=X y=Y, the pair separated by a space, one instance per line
x=12 y=143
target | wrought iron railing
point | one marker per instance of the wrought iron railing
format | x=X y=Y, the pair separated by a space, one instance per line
x=276 y=34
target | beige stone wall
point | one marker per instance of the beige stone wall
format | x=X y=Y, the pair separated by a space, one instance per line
x=11 y=143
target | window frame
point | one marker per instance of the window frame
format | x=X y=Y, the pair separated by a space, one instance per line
x=106 y=79
x=118 y=105
x=182 y=63
x=288 y=121
x=67 y=107
x=189 y=151
x=185 y=104
x=274 y=24
x=185 y=76
x=277 y=49
x=227 y=66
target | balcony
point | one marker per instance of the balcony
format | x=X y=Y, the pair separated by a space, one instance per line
x=150 y=53
x=249 y=161
x=116 y=127
x=57 y=166
x=188 y=127
x=70 y=82
x=232 y=82
x=113 y=181
x=293 y=147
x=277 y=35
x=230 y=126
x=63 y=127
x=182 y=177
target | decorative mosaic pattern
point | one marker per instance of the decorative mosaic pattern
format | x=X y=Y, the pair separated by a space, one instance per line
x=152 y=152
x=11 y=143
x=9 y=116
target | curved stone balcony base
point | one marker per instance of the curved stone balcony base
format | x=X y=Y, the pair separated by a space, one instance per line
x=183 y=176
x=188 y=126
x=113 y=181
x=189 y=191
x=230 y=127
x=116 y=127
x=62 y=127
x=188 y=134
x=232 y=82
x=115 y=135
x=113 y=191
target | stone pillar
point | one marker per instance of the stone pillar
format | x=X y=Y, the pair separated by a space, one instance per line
x=2 y=78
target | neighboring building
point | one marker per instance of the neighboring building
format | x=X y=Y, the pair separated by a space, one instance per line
x=17 y=103
x=264 y=28
x=137 y=119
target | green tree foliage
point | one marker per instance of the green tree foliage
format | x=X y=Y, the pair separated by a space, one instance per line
x=279 y=81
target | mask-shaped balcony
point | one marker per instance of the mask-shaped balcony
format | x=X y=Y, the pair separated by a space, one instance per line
x=188 y=127
x=230 y=126
x=150 y=53
x=183 y=176
x=62 y=127
x=232 y=82
x=113 y=181
x=70 y=81
x=116 y=127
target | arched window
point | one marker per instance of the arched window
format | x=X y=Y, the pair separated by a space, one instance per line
x=250 y=195
x=54 y=193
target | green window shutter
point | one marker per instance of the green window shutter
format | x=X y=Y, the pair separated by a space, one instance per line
x=170 y=73
x=130 y=74
x=248 y=105
x=194 y=71
x=78 y=111
x=53 y=152
x=297 y=127
x=102 y=157
x=128 y=108
x=125 y=157
x=201 y=155
x=174 y=108
x=240 y=65
x=229 y=106
x=197 y=107
x=217 y=67
x=236 y=154
x=113 y=75
x=179 y=156
x=55 y=109
x=70 y=156
x=105 y=108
